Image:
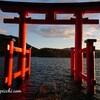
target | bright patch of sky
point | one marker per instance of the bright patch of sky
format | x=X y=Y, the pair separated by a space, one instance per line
x=52 y=36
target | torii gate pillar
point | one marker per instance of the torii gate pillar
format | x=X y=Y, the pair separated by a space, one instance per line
x=78 y=46
x=22 y=44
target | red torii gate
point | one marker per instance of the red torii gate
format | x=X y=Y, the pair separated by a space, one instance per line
x=50 y=10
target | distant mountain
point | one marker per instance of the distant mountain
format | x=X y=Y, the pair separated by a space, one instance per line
x=49 y=52
x=43 y=52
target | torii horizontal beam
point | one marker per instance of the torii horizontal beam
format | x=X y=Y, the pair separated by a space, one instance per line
x=58 y=22
x=85 y=7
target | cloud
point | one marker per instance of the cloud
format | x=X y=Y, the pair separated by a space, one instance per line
x=91 y=31
x=64 y=32
x=2 y=31
x=51 y=31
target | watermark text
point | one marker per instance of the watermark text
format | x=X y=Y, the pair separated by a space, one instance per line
x=10 y=91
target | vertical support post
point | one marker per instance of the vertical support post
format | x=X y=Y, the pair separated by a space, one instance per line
x=72 y=61
x=28 y=63
x=78 y=46
x=90 y=66
x=10 y=62
x=22 y=44
x=7 y=81
x=6 y=67
x=50 y=16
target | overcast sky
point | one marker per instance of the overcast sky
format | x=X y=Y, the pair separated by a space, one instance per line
x=52 y=36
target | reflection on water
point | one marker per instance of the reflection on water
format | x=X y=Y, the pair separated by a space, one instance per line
x=50 y=80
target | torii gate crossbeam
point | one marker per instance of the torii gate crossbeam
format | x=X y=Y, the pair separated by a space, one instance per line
x=86 y=7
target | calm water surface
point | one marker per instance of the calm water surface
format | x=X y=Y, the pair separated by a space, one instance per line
x=50 y=80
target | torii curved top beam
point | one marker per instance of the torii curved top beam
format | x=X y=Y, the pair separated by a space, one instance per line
x=86 y=7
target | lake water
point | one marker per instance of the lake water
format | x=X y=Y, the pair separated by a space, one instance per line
x=50 y=80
